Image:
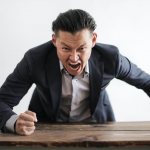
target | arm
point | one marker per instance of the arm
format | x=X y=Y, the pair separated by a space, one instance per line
x=23 y=124
x=14 y=88
x=130 y=73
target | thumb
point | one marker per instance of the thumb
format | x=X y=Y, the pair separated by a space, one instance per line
x=33 y=114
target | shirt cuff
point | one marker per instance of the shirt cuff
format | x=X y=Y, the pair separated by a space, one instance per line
x=10 y=124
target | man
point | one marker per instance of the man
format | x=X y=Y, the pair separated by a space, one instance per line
x=71 y=73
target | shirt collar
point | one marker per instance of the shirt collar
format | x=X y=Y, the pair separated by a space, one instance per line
x=86 y=71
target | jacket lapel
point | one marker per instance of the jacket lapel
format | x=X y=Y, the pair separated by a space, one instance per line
x=54 y=80
x=96 y=74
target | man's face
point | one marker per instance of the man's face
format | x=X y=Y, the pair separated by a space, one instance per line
x=74 y=50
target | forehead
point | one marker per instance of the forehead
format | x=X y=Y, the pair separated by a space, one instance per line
x=82 y=35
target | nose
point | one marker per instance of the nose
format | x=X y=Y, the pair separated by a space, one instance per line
x=74 y=56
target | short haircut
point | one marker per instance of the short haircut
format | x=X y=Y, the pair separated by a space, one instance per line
x=73 y=20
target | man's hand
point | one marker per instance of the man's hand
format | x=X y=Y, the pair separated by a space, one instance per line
x=25 y=124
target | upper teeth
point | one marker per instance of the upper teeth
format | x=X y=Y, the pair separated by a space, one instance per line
x=74 y=65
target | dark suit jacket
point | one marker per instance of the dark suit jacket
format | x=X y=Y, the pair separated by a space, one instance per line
x=40 y=65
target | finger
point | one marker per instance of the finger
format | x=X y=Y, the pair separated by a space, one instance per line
x=26 y=130
x=21 y=122
x=27 y=117
x=33 y=114
x=24 y=127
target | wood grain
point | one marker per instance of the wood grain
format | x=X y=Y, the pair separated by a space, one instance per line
x=83 y=135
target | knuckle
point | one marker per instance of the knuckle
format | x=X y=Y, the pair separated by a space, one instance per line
x=21 y=114
x=33 y=128
x=24 y=130
x=19 y=122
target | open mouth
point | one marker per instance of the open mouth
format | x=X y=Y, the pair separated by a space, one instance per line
x=74 y=66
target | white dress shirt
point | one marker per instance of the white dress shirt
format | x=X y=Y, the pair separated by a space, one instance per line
x=74 y=106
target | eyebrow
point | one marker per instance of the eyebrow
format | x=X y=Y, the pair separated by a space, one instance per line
x=70 y=46
x=65 y=44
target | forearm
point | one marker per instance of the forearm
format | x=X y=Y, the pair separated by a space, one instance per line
x=130 y=73
x=14 y=88
x=10 y=124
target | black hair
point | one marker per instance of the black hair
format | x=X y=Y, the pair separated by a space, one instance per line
x=74 y=20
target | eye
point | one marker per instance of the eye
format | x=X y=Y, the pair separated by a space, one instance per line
x=81 y=49
x=65 y=48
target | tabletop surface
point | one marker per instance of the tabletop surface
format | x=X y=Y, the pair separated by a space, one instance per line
x=83 y=135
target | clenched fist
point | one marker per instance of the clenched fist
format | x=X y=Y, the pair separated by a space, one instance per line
x=25 y=124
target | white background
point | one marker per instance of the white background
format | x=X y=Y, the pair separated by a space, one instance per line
x=124 y=23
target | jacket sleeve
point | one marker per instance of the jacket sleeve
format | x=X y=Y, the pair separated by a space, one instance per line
x=130 y=73
x=14 y=88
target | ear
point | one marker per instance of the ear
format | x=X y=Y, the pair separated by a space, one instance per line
x=54 y=39
x=94 y=38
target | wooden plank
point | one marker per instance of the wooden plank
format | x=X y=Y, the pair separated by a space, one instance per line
x=79 y=135
x=129 y=126
x=74 y=148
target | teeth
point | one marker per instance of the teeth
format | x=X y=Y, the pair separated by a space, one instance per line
x=74 y=65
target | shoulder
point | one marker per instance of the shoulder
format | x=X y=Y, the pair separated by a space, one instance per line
x=40 y=53
x=105 y=49
x=37 y=57
x=106 y=53
x=41 y=50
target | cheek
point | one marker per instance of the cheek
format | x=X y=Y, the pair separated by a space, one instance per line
x=86 y=56
x=62 y=56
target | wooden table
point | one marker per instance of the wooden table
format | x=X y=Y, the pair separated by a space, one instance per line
x=111 y=136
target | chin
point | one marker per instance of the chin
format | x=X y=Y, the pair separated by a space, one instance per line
x=75 y=73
